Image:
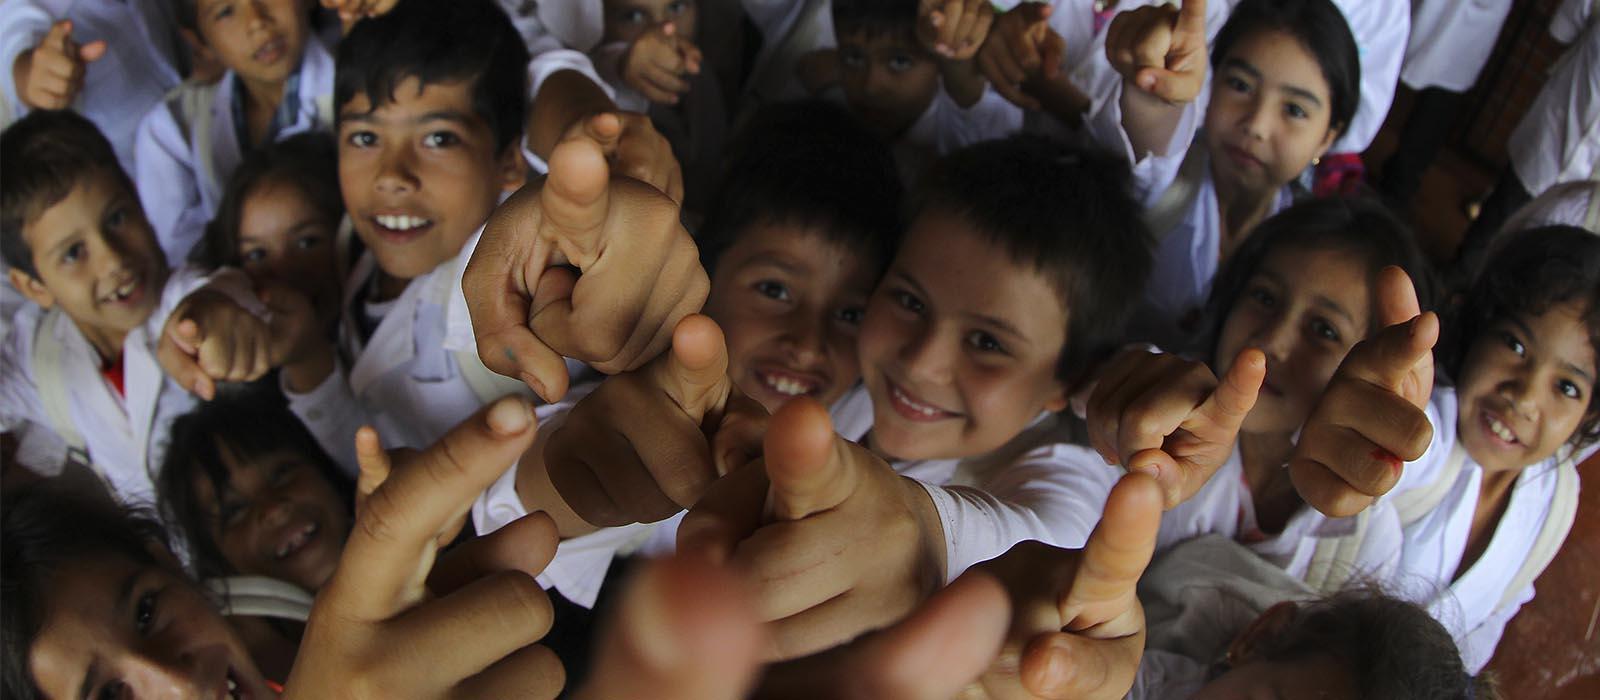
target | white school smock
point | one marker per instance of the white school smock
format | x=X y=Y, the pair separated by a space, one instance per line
x=1381 y=29
x=126 y=436
x=1469 y=606
x=1451 y=41
x=140 y=65
x=1558 y=140
x=1223 y=506
x=558 y=36
x=182 y=174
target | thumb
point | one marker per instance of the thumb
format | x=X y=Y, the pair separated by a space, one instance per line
x=59 y=37
x=576 y=194
x=806 y=463
x=92 y=51
x=1036 y=12
x=1393 y=357
x=1236 y=393
x=176 y=354
x=372 y=463
x=1116 y=555
x=1192 y=17
x=1051 y=51
x=1397 y=297
x=696 y=367
x=943 y=646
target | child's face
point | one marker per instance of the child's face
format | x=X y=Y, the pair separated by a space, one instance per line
x=276 y=516
x=959 y=346
x=420 y=173
x=97 y=259
x=283 y=237
x=790 y=303
x=888 y=80
x=627 y=19
x=117 y=628
x=1319 y=677
x=261 y=40
x=1269 y=113
x=1525 y=386
x=1303 y=308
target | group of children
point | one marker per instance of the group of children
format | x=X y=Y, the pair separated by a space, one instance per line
x=411 y=348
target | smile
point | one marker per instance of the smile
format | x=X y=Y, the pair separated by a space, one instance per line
x=296 y=541
x=913 y=409
x=401 y=222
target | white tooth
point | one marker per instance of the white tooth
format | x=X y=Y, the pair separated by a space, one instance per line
x=408 y=222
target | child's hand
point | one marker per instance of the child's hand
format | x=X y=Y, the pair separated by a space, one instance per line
x=1161 y=50
x=208 y=339
x=659 y=62
x=377 y=632
x=352 y=11
x=1077 y=628
x=639 y=272
x=954 y=29
x=1169 y=417
x=50 y=75
x=1372 y=417
x=646 y=444
x=834 y=542
x=1021 y=48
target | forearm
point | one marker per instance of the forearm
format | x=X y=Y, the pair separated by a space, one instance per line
x=1149 y=121
x=962 y=81
x=1060 y=99
x=565 y=97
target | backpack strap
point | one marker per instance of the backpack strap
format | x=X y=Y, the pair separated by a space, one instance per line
x=1591 y=220
x=259 y=596
x=1332 y=561
x=1416 y=503
x=1563 y=510
x=50 y=378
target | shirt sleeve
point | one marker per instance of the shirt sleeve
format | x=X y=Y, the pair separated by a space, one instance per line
x=19 y=397
x=1153 y=172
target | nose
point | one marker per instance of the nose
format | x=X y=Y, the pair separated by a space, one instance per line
x=926 y=357
x=1257 y=121
x=804 y=340
x=257 y=15
x=110 y=253
x=395 y=173
x=878 y=80
x=1275 y=338
x=1518 y=389
x=163 y=677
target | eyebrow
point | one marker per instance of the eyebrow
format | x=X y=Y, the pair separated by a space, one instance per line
x=293 y=228
x=995 y=322
x=777 y=261
x=1334 y=307
x=371 y=117
x=1296 y=90
x=1532 y=339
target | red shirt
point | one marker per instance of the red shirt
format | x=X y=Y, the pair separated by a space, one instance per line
x=113 y=374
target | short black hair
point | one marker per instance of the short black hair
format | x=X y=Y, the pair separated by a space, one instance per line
x=1063 y=210
x=48 y=525
x=46 y=154
x=875 y=18
x=435 y=42
x=309 y=161
x=1321 y=29
x=254 y=421
x=784 y=169
x=1529 y=273
x=1357 y=224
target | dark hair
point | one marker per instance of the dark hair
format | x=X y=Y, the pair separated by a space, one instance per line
x=434 y=42
x=1394 y=649
x=1062 y=210
x=1356 y=224
x=307 y=161
x=1321 y=29
x=875 y=18
x=1529 y=273
x=48 y=525
x=253 y=422
x=46 y=154
x=784 y=170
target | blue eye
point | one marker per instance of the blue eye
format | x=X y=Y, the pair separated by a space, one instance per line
x=772 y=290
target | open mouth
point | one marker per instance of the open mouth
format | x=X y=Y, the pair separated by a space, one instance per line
x=401 y=227
x=128 y=292
x=234 y=691
x=1498 y=429
x=788 y=384
x=912 y=408
x=296 y=541
x=270 y=52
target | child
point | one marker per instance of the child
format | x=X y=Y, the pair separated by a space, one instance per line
x=116 y=341
x=1287 y=85
x=251 y=493
x=278 y=83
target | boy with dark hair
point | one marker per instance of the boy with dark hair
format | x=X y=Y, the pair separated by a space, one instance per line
x=88 y=361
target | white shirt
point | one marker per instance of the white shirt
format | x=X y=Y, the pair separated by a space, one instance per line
x=1451 y=41
x=182 y=174
x=1381 y=29
x=1558 y=140
x=139 y=67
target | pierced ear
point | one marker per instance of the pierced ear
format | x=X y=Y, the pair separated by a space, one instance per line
x=1327 y=141
x=31 y=288
x=513 y=167
x=1270 y=624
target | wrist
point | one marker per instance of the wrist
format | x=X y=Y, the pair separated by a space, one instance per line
x=931 y=557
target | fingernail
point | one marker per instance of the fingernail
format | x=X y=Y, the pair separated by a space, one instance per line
x=510 y=416
x=1151 y=470
x=1147 y=82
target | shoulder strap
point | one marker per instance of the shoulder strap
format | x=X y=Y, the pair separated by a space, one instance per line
x=1333 y=560
x=50 y=378
x=1173 y=206
x=259 y=596
x=1563 y=510
x=1591 y=221
x=1418 y=502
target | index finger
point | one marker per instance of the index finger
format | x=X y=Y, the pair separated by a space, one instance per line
x=1192 y=17
x=1391 y=359
x=391 y=547
x=59 y=37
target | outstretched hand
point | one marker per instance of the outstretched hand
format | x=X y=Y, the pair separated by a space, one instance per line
x=1161 y=50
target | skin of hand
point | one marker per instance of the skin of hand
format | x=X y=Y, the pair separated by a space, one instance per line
x=50 y=75
x=208 y=339
x=659 y=62
x=1019 y=48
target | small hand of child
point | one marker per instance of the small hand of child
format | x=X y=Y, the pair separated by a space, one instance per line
x=50 y=75
x=684 y=630
x=834 y=542
x=208 y=339
x=1077 y=628
x=639 y=272
x=1170 y=418
x=1161 y=49
x=954 y=29
x=659 y=63
x=1021 y=48
x=1372 y=417
x=352 y=11
x=646 y=444
x=376 y=630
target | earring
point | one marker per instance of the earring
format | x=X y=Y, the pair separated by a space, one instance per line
x=1316 y=161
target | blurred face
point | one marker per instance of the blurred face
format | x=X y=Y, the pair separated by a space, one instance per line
x=1269 y=113
x=115 y=628
x=97 y=259
x=1525 y=386
x=420 y=174
x=627 y=19
x=276 y=516
x=889 y=81
x=1319 y=677
x=959 y=346
x=790 y=304
x=283 y=237
x=1303 y=308
x=260 y=40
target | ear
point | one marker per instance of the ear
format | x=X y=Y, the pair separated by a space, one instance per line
x=1270 y=624
x=31 y=288
x=1327 y=141
x=1058 y=400
x=513 y=168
